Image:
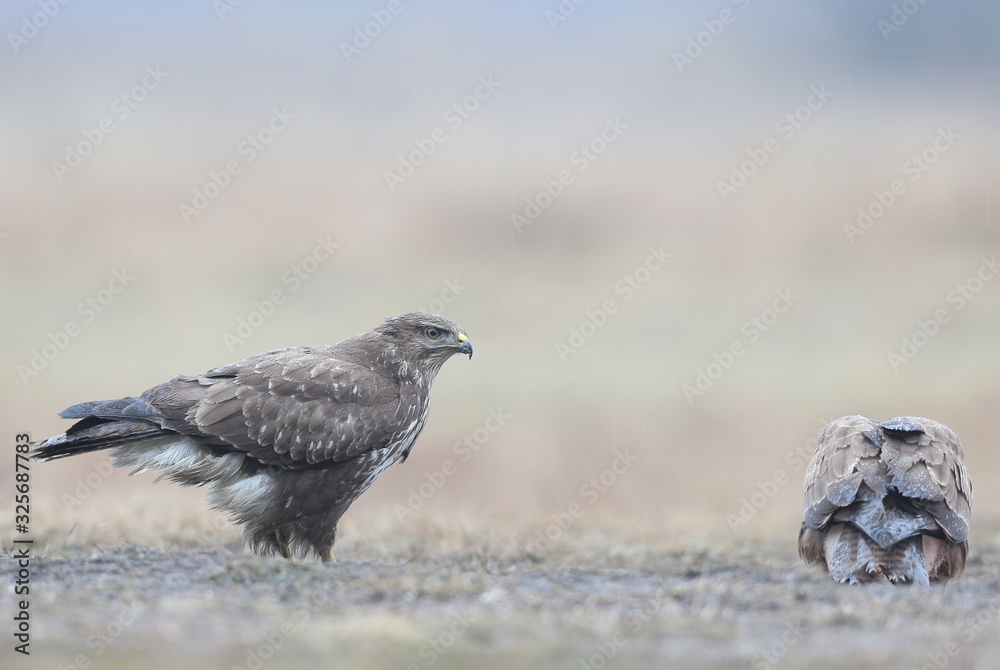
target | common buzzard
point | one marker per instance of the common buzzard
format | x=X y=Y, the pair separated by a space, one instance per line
x=286 y=440
x=890 y=499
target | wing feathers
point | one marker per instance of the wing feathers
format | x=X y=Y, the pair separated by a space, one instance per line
x=292 y=408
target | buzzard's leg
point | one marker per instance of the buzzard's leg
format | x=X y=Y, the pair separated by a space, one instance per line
x=323 y=545
x=325 y=551
x=279 y=540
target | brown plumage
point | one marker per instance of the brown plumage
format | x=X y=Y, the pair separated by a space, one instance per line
x=890 y=499
x=287 y=439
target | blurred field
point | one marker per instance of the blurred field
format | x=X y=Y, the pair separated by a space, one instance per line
x=582 y=338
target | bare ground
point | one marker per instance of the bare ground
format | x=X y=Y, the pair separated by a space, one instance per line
x=488 y=601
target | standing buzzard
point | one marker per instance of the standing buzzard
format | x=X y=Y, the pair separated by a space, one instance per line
x=287 y=439
x=890 y=499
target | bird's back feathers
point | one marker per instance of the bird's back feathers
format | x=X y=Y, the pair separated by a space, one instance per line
x=888 y=499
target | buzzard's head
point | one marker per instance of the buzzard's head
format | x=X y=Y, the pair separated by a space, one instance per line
x=425 y=338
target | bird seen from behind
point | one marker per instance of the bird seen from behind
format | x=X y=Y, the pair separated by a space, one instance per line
x=890 y=499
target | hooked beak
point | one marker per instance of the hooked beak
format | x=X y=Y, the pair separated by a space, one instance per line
x=464 y=345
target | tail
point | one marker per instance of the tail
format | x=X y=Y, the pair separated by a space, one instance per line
x=851 y=556
x=103 y=425
x=132 y=428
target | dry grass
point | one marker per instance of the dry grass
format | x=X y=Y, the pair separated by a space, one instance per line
x=450 y=595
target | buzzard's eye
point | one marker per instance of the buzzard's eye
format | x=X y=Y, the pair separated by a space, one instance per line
x=433 y=333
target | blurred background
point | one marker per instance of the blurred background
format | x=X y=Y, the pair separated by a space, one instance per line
x=681 y=237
